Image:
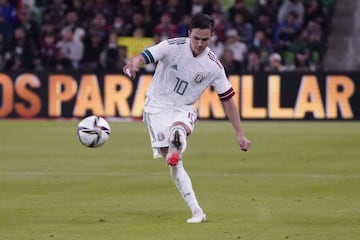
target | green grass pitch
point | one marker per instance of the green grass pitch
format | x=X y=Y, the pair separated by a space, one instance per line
x=300 y=180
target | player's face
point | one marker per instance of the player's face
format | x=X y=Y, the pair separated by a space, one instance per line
x=199 y=40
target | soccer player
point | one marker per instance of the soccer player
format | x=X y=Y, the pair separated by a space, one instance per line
x=185 y=68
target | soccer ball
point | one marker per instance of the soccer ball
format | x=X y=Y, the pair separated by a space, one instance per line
x=93 y=131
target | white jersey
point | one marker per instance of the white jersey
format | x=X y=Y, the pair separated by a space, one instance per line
x=180 y=78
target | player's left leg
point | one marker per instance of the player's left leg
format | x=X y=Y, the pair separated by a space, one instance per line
x=183 y=183
x=179 y=131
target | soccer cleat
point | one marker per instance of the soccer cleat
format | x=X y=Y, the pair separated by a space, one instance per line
x=198 y=217
x=173 y=155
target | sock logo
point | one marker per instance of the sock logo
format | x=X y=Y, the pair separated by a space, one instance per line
x=187 y=194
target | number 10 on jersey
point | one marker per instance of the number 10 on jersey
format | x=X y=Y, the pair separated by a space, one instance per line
x=180 y=86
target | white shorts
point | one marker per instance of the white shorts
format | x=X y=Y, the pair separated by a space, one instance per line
x=159 y=125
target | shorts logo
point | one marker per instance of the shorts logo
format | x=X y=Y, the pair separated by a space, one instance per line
x=199 y=77
x=160 y=136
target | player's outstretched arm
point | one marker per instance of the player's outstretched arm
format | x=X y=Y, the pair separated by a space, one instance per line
x=133 y=65
x=234 y=117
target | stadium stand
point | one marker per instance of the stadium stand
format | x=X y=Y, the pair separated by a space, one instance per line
x=344 y=41
x=75 y=34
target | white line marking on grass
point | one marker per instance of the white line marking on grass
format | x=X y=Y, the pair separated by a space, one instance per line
x=294 y=175
x=120 y=174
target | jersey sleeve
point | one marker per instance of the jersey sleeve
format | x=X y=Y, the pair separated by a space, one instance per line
x=221 y=84
x=156 y=52
x=227 y=94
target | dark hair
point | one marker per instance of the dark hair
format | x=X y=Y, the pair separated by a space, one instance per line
x=202 y=21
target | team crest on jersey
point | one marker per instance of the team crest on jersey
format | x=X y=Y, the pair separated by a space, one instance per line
x=199 y=77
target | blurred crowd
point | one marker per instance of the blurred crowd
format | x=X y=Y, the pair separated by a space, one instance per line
x=250 y=35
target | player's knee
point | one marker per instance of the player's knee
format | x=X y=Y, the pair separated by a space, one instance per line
x=187 y=129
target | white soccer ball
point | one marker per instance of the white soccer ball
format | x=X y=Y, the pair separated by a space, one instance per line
x=93 y=131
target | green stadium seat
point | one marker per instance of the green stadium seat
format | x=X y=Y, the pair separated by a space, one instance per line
x=289 y=58
x=250 y=4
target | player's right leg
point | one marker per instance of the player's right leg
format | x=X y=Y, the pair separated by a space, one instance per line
x=177 y=143
x=182 y=126
x=175 y=138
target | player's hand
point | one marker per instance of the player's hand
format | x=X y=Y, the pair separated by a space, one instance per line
x=130 y=70
x=244 y=143
x=132 y=66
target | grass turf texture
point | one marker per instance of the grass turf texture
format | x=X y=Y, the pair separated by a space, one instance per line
x=300 y=180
